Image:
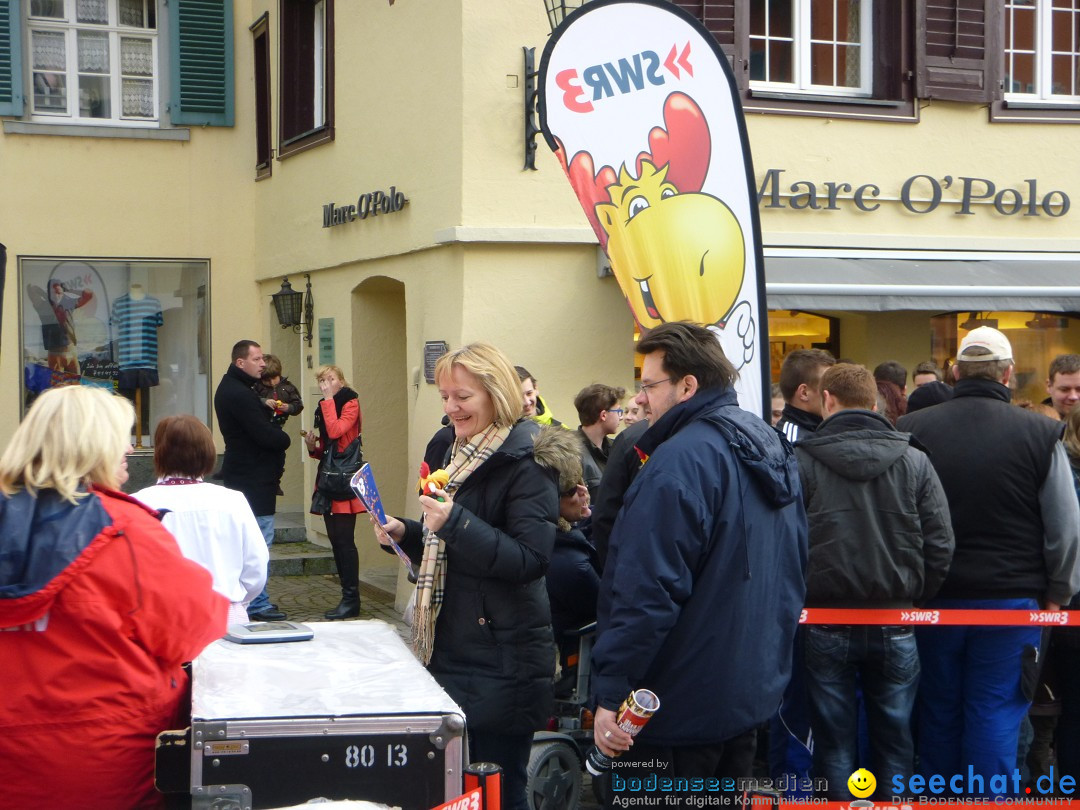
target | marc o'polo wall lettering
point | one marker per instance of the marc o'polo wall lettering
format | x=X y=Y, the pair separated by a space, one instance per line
x=370 y=204
x=919 y=194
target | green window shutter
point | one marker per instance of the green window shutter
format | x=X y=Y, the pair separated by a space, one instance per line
x=201 y=62
x=11 y=86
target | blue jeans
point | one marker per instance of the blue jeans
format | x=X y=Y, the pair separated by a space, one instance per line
x=266 y=526
x=885 y=661
x=971 y=701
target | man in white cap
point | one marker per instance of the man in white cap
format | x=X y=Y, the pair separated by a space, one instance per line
x=1017 y=526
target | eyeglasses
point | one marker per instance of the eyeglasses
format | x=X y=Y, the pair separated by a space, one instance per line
x=647 y=386
x=616 y=411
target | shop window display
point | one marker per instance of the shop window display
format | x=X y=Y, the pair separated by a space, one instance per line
x=135 y=327
x=1036 y=338
x=791 y=329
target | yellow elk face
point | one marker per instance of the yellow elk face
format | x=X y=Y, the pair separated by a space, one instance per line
x=676 y=256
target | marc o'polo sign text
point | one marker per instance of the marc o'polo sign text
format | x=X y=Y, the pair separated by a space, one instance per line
x=367 y=205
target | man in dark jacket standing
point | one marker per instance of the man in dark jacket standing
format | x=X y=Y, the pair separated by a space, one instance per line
x=790 y=739
x=704 y=579
x=872 y=497
x=1017 y=525
x=254 y=449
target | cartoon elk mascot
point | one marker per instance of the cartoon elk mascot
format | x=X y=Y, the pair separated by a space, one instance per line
x=677 y=252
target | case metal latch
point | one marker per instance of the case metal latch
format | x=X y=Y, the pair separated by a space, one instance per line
x=221 y=797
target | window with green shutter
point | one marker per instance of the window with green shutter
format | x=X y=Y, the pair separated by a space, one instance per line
x=201 y=36
x=11 y=92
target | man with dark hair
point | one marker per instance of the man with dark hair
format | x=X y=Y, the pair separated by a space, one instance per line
x=873 y=497
x=532 y=403
x=708 y=550
x=1063 y=383
x=1017 y=525
x=799 y=376
x=254 y=449
x=599 y=415
x=926 y=372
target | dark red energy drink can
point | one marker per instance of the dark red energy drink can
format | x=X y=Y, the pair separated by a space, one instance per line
x=633 y=714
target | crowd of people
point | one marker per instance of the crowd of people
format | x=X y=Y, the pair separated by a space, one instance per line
x=692 y=531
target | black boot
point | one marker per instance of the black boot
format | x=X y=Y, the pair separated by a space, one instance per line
x=348 y=564
x=348 y=607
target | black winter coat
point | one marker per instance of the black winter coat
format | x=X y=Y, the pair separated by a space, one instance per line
x=254 y=446
x=880 y=534
x=573 y=582
x=494 y=650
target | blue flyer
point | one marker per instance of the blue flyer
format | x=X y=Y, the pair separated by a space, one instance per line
x=363 y=484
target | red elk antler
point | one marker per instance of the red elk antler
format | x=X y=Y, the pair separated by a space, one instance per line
x=685 y=146
x=590 y=187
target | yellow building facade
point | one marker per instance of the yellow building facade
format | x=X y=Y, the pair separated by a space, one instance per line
x=871 y=246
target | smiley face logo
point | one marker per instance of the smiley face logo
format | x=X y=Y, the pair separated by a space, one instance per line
x=861 y=783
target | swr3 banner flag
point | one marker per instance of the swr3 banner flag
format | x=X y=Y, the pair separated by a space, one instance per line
x=640 y=105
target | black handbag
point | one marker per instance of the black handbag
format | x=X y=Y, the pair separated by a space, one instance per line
x=337 y=468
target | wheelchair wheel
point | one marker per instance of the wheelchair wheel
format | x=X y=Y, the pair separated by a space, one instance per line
x=554 y=776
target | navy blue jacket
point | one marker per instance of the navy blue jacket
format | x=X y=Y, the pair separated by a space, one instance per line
x=704 y=580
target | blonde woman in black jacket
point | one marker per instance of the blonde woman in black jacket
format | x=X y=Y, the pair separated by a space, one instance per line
x=482 y=623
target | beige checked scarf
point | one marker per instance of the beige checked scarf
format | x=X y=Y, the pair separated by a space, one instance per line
x=431 y=580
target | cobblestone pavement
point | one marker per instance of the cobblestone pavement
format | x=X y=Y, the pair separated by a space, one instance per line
x=307 y=598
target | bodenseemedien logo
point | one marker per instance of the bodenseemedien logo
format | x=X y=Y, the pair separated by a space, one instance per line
x=861 y=783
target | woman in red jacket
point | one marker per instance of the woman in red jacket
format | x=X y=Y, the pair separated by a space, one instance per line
x=101 y=610
x=337 y=418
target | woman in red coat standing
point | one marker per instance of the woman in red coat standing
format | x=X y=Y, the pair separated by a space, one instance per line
x=98 y=611
x=337 y=418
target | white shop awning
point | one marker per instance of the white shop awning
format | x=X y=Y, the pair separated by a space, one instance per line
x=879 y=281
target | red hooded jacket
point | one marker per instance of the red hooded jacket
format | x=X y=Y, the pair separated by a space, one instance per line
x=99 y=609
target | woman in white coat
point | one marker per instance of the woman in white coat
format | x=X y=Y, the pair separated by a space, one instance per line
x=214 y=526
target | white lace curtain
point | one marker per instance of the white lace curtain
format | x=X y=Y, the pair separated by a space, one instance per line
x=50 y=50
x=137 y=98
x=93 y=52
x=92 y=11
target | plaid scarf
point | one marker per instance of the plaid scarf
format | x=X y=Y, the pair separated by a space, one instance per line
x=431 y=581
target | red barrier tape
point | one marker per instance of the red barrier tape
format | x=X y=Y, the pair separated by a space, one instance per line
x=760 y=803
x=993 y=618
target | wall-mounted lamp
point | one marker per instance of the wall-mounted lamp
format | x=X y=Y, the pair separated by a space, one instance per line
x=295 y=309
x=557 y=10
x=1044 y=320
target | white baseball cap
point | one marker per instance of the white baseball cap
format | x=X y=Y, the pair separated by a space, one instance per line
x=987 y=338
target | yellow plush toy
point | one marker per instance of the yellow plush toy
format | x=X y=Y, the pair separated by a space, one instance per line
x=430 y=481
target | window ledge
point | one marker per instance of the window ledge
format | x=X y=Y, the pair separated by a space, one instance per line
x=773 y=95
x=96 y=131
x=1014 y=104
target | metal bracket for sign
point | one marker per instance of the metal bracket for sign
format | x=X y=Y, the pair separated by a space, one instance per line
x=531 y=127
x=221 y=797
